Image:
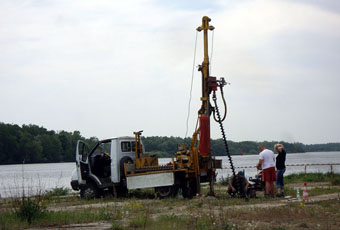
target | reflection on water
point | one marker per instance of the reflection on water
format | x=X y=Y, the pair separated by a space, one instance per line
x=36 y=178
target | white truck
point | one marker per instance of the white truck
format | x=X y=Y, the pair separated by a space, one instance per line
x=102 y=169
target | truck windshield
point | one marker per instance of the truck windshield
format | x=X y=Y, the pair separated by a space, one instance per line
x=103 y=148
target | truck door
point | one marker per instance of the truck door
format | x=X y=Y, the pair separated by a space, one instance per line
x=82 y=153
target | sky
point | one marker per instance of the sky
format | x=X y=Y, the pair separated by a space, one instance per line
x=109 y=68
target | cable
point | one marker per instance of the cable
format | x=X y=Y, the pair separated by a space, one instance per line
x=225 y=106
x=212 y=50
x=192 y=81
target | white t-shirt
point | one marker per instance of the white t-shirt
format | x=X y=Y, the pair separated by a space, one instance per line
x=268 y=158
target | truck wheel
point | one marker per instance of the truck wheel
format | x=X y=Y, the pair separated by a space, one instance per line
x=166 y=191
x=189 y=190
x=121 y=191
x=174 y=192
x=89 y=191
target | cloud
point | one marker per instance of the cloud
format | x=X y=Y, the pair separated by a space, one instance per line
x=109 y=68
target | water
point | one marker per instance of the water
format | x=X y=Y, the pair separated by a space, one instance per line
x=36 y=178
x=297 y=158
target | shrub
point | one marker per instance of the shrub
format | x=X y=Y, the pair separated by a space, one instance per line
x=61 y=191
x=224 y=181
x=139 y=221
x=335 y=181
x=30 y=209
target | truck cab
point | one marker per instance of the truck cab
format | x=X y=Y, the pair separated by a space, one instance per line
x=102 y=167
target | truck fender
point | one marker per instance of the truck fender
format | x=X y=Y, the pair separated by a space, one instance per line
x=93 y=180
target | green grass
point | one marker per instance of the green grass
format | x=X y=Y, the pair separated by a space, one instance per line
x=139 y=221
x=144 y=212
x=312 y=177
x=57 y=191
x=11 y=220
x=167 y=222
x=29 y=209
x=224 y=181
x=117 y=225
x=196 y=221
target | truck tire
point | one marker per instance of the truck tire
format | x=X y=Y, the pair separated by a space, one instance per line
x=166 y=191
x=121 y=191
x=89 y=191
x=189 y=190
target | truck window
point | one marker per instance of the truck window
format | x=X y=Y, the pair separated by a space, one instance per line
x=126 y=146
x=83 y=151
x=133 y=144
x=103 y=148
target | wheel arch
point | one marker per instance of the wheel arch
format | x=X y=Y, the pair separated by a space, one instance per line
x=123 y=160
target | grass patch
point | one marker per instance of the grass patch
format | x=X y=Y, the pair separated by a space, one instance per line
x=168 y=222
x=224 y=181
x=57 y=191
x=28 y=209
x=312 y=177
x=116 y=225
x=323 y=190
x=178 y=213
x=335 y=180
x=11 y=220
x=312 y=192
x=139 y=221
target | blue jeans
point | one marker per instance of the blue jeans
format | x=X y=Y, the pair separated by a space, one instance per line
x=279 y=178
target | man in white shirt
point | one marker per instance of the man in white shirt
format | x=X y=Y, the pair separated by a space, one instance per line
x=267 y=163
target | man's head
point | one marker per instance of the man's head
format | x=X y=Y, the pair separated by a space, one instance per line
x=261 y=148
x=240 y=174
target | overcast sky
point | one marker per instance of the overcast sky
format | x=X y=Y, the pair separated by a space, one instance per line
x=108 y=68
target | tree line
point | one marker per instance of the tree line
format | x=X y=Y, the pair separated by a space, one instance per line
x=34 y=144
x=166 y=146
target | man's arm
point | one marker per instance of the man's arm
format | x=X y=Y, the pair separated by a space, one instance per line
x=247 y=183
x=259 y=164
x=231 y=183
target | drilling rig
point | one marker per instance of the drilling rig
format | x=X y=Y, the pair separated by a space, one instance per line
x=129 y=168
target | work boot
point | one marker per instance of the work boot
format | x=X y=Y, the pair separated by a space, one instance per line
x=280 y=194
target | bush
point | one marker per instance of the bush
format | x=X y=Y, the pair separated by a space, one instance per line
x=30 y=209
x=61 y=191
x=139 y=221
x=224 y=181
x=335 y=180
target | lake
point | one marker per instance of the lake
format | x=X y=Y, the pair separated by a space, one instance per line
x=36 y=178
